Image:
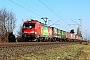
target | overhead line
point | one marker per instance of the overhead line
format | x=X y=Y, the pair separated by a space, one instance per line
x=51 y=4
x=24 y=7
x=29 y=6
x=75 y=22
x=55 y=23
x=52 y=11
x=48 y=8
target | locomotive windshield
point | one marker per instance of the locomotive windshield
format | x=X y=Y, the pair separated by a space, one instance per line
x=29 y=25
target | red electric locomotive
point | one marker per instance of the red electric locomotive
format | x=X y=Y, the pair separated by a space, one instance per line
x=36 y=31
x=31 y=30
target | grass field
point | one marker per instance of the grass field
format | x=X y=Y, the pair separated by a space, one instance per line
x=74 y=52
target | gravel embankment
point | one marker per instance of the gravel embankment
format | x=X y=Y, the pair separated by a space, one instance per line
x=12 y=53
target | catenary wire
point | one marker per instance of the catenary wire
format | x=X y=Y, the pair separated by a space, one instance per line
x=24 y=8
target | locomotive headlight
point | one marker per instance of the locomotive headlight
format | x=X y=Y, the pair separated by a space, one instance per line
x=35 y=32
x=25 y=32
x=32 y=32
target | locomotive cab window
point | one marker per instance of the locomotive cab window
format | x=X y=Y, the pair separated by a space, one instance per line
x=29 y=25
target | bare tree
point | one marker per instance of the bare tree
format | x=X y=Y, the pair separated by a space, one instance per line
x=19 y=35
x=7 y=22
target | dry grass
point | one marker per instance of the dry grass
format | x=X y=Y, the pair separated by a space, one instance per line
x=74 y=52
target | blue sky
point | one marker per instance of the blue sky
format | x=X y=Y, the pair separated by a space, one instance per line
x=63 y=10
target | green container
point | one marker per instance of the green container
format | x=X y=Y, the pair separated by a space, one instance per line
x=63 y=34
x=45 y=31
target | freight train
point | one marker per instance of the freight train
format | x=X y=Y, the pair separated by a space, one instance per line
x=34 y=30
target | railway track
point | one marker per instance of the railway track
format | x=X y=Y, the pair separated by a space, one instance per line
x=15 y=44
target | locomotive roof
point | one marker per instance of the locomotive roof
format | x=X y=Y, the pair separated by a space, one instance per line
x=30 y=21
